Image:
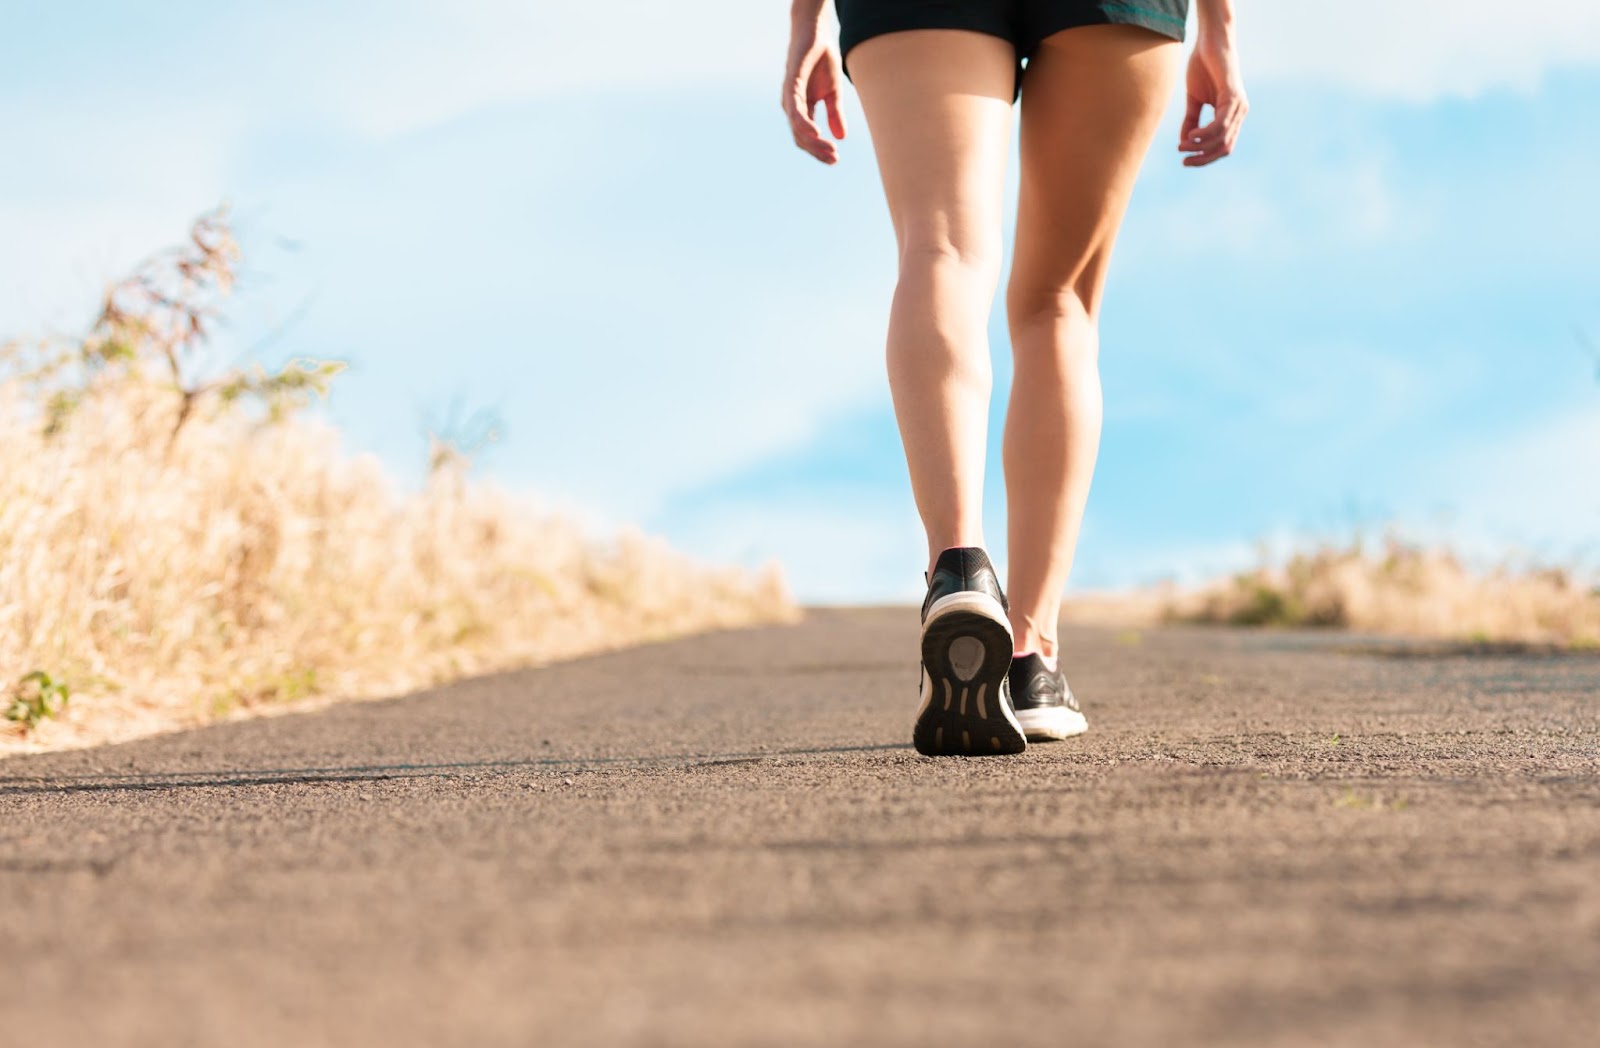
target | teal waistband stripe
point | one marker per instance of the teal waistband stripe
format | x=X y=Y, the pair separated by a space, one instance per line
x=1145 y=12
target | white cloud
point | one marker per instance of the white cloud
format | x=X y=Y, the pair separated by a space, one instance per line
x=456 y=55
x=390 y=72
x=1416 y=50
x=1537 y=488
x=443 y=57
x=386 y=68
x=448 y=57
x=383 y=68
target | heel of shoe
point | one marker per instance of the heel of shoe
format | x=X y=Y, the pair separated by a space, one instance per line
x=966 y=657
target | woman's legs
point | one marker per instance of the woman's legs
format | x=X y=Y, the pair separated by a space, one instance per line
x=1091 y=100
x=938 y=103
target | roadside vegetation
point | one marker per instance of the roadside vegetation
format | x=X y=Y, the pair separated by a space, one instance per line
x=1402 y=588
x=180 y=541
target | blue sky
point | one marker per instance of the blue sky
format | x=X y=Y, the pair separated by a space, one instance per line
x=592 y=222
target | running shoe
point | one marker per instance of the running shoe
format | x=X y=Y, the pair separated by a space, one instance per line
x=1046 y=707
x=966 y=658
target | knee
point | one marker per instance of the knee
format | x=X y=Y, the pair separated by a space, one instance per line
x=971 y=262
x=1051 y=303
x=1054 y=331
x=1058 y=293
x=1052 y=327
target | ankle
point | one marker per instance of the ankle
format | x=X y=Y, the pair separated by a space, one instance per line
x=1031 y=642
x=935 y=549
x=1050 y=661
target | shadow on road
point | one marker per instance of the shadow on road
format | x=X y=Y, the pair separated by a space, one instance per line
x=187 y=780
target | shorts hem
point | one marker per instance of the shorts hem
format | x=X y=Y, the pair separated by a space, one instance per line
x=1160 y=22
x=1164 y=22
x=924 y=20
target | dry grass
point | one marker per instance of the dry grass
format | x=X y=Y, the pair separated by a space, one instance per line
x=178 y=544
x=1402 y=588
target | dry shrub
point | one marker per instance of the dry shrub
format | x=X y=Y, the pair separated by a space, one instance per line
x=1403 y=588
x=180 y=544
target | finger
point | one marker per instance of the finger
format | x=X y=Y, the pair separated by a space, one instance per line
x=1204 y=138
x=1212 y=152
x=1216 y=151
x=820 y=148
x=800 y=110
x=835 y=114
x=1226 y=113
x=806 y=133
x=1240 y=111
x=823 y=150
x=1191 y=120
x=809 y=139
x=1233 y=108
x=1232 y=123
x=1215 y=128
x=1211 y=155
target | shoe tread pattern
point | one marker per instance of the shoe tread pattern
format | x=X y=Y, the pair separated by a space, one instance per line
x=954 y=722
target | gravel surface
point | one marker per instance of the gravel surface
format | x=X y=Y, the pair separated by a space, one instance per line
x=1265 y=839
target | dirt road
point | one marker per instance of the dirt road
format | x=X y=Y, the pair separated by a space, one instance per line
x=1265 y=839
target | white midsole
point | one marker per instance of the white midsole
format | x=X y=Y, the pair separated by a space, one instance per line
x=968 y=600
x=924 y=693
x=1052 y=722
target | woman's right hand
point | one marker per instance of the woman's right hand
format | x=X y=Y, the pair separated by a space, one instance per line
x=813 y=75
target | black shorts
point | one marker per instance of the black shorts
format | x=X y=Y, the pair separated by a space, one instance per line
x=1023 y=22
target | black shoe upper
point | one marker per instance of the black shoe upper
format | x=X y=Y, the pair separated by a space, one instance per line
x=962 y=568
x=1035 y=686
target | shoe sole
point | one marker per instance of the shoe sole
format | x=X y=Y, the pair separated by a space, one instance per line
x=1049 y=725
x=966 y=656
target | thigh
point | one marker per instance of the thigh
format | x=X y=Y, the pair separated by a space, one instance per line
x=938 y=105
x=1092 y=97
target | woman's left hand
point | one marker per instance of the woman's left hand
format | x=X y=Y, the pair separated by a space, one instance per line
x=813 y=76
x=1214 y=81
